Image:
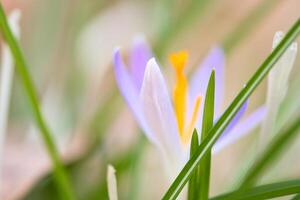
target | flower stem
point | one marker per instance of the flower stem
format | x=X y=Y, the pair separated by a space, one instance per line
x=21 y=67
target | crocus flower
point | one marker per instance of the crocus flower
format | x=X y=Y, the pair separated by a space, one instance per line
x=168 y=120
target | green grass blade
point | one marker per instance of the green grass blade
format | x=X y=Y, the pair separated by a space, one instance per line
x=193 y=183
x=296 y=197
x=263 y=192
x=21 y=67
x=207 y=124
x=271 y=153
x=230 y=112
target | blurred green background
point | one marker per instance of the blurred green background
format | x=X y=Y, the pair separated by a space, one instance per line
x=69 y=44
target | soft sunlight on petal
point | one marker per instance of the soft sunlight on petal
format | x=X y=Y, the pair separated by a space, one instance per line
x=158 y=110
x=241 y=129
x=139 y=57
x=129 y=92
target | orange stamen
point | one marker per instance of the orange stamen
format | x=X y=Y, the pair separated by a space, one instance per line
x=178 y=61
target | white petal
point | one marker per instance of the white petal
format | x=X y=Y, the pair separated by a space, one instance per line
x=158 y=110
x=277 y=86
x=112 y=183
x=13 y=21
x=130 y=93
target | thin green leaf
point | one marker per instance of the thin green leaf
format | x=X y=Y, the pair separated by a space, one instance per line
x=271 y=153
x=296 y=197
x=21 y=67
x=264 y=191
x=207 y=124
x=193 y=183
x=230 y=112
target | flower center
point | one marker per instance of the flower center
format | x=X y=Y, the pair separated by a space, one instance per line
x=178 y=61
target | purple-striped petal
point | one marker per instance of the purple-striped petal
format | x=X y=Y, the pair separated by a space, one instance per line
x=215 y=60
x=158 y=110
x=241 y=129
x=130 y=92
x=139 y=57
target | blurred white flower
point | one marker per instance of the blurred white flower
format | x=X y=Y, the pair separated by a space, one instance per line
x=277 y=87
x=108 y=30
x=7 y=73
x=115 y=25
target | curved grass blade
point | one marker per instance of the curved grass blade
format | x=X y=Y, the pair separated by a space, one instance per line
x=230 y=112
x=193 y=183
x=271 y=153
x=208 y=119
x=263 y=192
x=296 y=197
x=21 y=67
